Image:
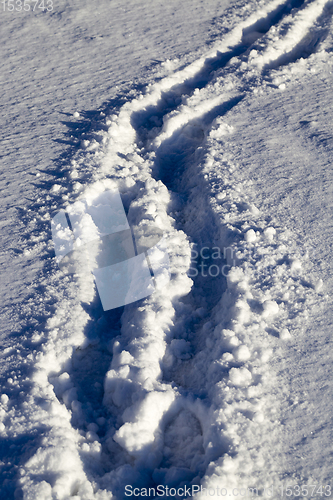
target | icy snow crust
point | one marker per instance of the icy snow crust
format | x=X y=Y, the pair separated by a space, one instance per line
x=177 y=389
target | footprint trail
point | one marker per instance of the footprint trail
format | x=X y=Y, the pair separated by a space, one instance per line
x=176 y=389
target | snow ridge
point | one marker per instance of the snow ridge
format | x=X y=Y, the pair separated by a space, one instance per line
x=188 y=397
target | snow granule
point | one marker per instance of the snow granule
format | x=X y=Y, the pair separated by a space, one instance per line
x=250 y=236
x=271 y=308
x=240 y=377
x=319 y=285
x=284 y=334
x=241 y=353
x=4 y=399
x=270 y=233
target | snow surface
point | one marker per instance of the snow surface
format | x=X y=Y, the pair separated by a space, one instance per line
x=223 y=376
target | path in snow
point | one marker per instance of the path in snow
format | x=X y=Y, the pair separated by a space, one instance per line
x=75 y=58
x=189 y=394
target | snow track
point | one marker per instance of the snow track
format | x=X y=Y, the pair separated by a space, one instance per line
x=175 y=389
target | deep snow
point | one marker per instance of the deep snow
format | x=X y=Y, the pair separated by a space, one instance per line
x=215 y=380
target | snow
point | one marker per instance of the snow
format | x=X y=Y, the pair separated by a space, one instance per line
x=285 y=334
x=240 y=377
x=250 y=236
x=214 y=369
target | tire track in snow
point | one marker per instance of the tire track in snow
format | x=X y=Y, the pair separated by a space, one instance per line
x=153 y=326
